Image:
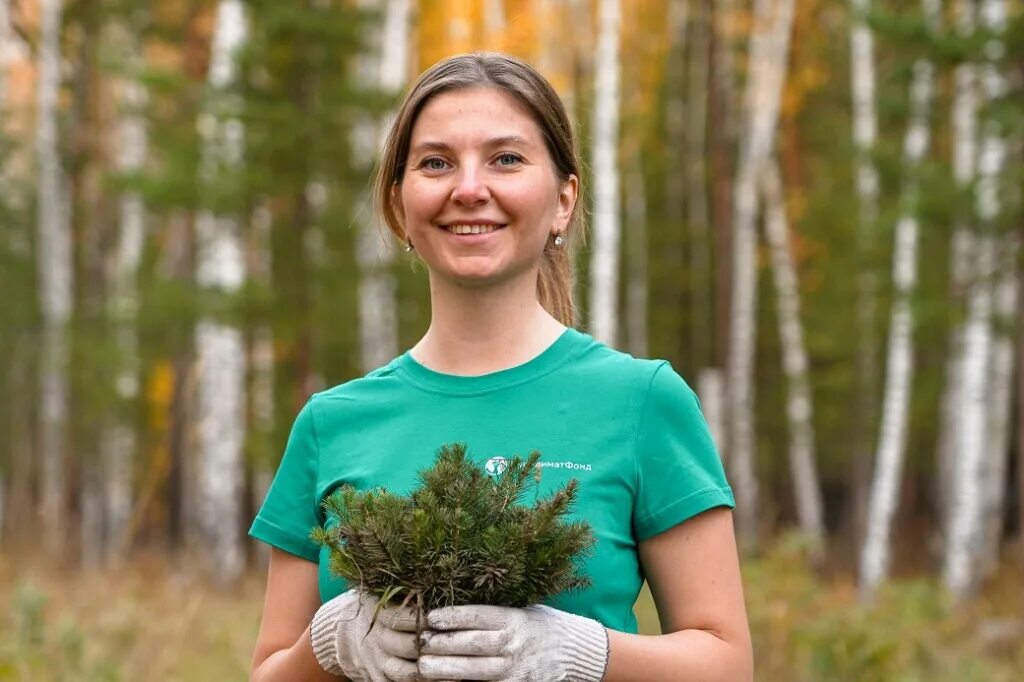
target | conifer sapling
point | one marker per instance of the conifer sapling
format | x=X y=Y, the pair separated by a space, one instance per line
x=461 y=537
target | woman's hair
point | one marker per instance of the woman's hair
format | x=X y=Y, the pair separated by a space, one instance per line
x=518 y=79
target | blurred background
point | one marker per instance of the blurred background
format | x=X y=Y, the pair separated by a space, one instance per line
x=812 y=208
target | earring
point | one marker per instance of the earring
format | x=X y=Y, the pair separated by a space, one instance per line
x=408 y=245
x=558 y=240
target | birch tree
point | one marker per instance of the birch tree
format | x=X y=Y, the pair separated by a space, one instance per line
x=220 y=345
x=965 y=106
x=799 y=407
x=768 y=57
x=891 y=452
x=992 y=168
x=865 y=132
x=982 y=436
x=6 y=49
x=378 y=326
x=55 y=280
x=604 y=262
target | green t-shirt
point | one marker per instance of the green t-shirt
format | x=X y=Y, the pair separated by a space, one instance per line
x=629 y=430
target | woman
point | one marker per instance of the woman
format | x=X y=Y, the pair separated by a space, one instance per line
x=480 y=178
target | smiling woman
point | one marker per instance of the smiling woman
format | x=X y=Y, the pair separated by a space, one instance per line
x=480 y=176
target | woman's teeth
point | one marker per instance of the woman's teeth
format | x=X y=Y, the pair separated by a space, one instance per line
x=472 y=229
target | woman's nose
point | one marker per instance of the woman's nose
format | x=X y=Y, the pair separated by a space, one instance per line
x=470 y=188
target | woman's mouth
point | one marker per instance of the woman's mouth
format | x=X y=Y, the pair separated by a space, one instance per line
x=472 y=229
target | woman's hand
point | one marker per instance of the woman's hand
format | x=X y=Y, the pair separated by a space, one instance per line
x=345 y=643
x=512 y=644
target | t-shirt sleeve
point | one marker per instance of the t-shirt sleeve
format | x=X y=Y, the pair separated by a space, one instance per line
x=289 y=511
x=679 y=471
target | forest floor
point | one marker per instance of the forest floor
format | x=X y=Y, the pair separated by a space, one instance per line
x=150 y=621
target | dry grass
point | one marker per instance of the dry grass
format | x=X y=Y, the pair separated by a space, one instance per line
x=140 y=622
x=146 y=621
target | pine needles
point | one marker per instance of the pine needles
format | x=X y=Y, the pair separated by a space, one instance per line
x=462 y=537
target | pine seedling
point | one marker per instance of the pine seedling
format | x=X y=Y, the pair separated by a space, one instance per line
x=461 y=537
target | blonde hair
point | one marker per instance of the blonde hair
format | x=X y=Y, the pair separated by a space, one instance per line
x=556 y=278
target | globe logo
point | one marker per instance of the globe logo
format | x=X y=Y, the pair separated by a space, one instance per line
x=495 y=466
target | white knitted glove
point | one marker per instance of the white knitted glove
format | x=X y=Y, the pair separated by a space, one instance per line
x=532 y=644
x=345 y=645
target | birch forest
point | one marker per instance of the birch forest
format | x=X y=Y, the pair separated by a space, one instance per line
x=813 y=208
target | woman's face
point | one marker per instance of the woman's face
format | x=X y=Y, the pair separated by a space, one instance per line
x=478 y=163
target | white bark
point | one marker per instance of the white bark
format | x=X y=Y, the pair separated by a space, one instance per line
x=220 y=346
x=6 y=50
x=865 y=132
x=799 y=406
x=965 y=115
x=996 y=463
x=119 y=439
x=891 y=453
x=378 y=317
x=981 y=453
x=55 y=279
x=768 y=58
x=711 y=391
x=494 y=19
x=636 y=236
x=604 y=263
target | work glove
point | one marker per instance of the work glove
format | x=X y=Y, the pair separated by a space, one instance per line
x=345 y=644
x=531 y=644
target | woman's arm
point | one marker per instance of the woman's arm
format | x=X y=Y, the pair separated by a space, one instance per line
x=694 y=573
x=283 y=648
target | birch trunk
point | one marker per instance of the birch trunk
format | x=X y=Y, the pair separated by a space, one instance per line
x=119 y=439
x=980 y=470
x=992 y=169
x=865 y=131
x=995 y=467
x=891 y=454
x=636 y=247
x=799 y=406
x=494 y=20
x=604 y=263
x=378 y=325
x=220 y=346
x=6 y=50
x=712 y=402
x=768 y=56
x=965 y=115
x=55 y=282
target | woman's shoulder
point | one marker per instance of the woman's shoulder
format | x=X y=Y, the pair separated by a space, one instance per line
x=355 y=388
x=618 y=365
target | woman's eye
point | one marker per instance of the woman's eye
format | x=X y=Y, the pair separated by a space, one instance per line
x=509 y=159
x=434 y=163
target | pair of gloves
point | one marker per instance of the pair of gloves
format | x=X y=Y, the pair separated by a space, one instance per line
x=458 y=643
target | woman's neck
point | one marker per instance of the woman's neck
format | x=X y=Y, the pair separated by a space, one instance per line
x=479 y=331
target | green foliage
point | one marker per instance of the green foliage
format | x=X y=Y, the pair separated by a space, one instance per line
x=462 y=537
x=806 y=628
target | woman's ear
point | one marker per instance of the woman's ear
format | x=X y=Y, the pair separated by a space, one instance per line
x=567 y=195
x=396 y=202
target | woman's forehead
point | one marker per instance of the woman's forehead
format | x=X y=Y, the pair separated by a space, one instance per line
x=475 y=115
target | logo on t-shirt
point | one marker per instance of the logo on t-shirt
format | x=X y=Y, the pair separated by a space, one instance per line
x=496 y=466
